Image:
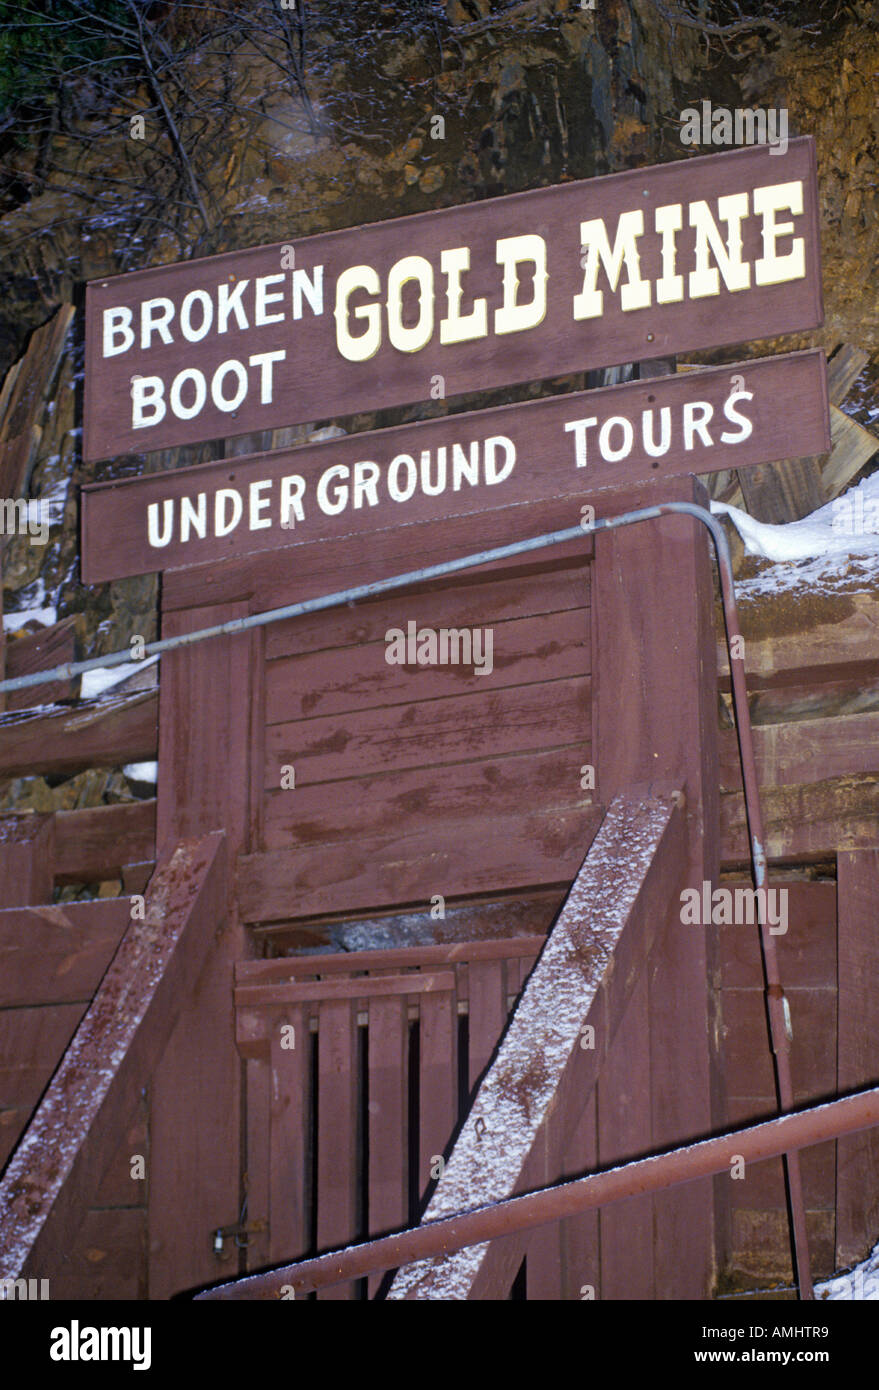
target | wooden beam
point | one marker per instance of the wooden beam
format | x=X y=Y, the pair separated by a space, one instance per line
x=53 y=955
x=852 y=447
x=784 y=491
x=100 y=841
x=655 y=716
x=585 y=975
x=23 y=399
x=37 y=652
x=804 y=823
x=66 y=739
x=207 y=694
x=53 y=1176
x=857 y=1169
x=27 y=852
x=805 y=750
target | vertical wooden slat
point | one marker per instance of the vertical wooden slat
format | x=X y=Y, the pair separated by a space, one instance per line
x=580 y=1233
x=438 y=1079
x=258 y=1159
x=288 y=1101
x=27 y=854
x=488 y=1013
x=388 y=1053
x=337 y=1132
x=857 y=1164
x=624 y=1131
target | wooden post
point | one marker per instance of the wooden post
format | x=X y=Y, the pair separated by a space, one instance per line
x=27 y=860
x=655 y=717
x=204 y=777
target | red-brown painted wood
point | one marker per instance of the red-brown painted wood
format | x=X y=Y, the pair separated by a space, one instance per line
x=487 y=1013
x=56 y=1170
x=27 y=860
x=418 y=801
x=654 y=716
x=451 y=602
x=858 y=1062
x=624 y=1132
x=109 y=732
x=438 y=1080
x=37 y=651
x=204 y=768
x=101 y=841
x=289 y=1090
x=444 y=730
x=337 y=1168
x=54 y=955
x=331 y=683
x=388 y=1088
x=357 y=875
x=314 y=380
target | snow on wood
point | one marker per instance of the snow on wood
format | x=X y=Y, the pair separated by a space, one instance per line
x=588 y=954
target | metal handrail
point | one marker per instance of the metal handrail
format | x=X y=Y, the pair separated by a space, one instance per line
x=777 y=1006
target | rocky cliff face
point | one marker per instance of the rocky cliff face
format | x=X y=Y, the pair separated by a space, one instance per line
x=259 y=132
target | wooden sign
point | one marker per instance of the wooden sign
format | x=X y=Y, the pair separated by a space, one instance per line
x=698 y=253
x=694 y=422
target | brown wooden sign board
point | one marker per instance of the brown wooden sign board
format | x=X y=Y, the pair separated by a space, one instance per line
x=698 y=253
x=697 y=422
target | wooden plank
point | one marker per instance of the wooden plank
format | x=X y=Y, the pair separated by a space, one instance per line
x=806 y=950
x=258 y=1171
x=792 y=640
x=99 y=842
x=290 y=1087
x=507 y=852
x=196 y=1091
x=417 y=800
x=805 y=822
x=337 y=1165
x=486 y=918
x=23 y=401
x=585 y=975
x=52 y=1178
x=318 y=377
x=654 y=716
x=857 y=1196
x=446 y=730
x=32 y=1042
x=53 y=955
x=487 y=1014
x=37 y=651
x=361 y=987
x=65 y=739
x=451 y=602
x=805 y=750
x=520 y=454
x=437 y=1082
x=580 y=1233
x=625 y=1131
x=521 y=652
x=843 y=370
x=108 y=1259
x=27 y=854
x=852 y=446
x=784 y=491
x=254 y=972
x=388 y=1108
x=325 y=567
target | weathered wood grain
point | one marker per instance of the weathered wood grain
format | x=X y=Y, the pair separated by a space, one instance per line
x=65 y=739
x=429 y=733
x=53 y=1176
x=52 y=955
x=98 y=842
x=356 y=875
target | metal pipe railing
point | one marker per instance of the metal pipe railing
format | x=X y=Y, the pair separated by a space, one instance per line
x=644 y=1175
x=777 y=1006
